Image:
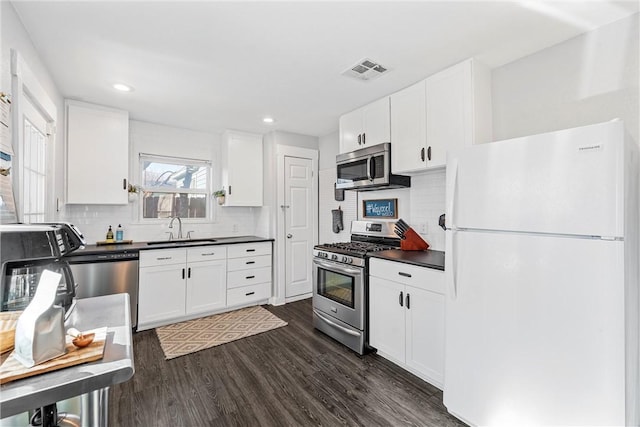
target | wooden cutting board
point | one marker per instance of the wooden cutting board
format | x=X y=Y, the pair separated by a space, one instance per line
x=12 y=370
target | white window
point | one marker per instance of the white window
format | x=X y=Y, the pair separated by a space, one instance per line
x=33 y=173
x=175 y=187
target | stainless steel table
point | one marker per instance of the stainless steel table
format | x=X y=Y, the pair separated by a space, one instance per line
x=91 y=379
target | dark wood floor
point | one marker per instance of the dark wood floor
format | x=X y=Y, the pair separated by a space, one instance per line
x=291 y=376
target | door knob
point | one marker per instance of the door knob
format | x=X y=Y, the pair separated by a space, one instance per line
x=289 y=236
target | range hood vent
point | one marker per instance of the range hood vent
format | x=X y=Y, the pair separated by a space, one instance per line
x=366 y=69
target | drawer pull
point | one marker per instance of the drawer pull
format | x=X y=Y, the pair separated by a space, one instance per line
x=404 y=274
x=162 y=258
x=250 y=293
x=251 y=250
x=250 y=277
x=250 y=262
x=209 y=254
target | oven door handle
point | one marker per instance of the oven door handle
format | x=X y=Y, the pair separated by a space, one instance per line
x=338 y=266
x=335 y=325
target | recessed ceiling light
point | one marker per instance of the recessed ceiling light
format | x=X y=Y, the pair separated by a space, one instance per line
x=268 y=120
x=122 y=87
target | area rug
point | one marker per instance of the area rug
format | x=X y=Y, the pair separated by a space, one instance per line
x=198 y=334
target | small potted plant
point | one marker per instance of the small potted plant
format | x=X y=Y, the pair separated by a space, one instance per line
x=133 y=190
x=220 y=196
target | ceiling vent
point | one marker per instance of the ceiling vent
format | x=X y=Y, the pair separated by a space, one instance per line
x=365 y=70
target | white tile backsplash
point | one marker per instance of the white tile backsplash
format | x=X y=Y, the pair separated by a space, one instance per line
x=94 y=220
x=420 y=205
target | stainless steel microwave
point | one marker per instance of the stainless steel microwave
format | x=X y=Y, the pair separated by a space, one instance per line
x=368 y=169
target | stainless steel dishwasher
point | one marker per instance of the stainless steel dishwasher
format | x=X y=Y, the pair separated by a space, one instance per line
x=109 y=273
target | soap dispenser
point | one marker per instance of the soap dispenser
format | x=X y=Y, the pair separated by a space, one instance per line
x=109 y=235
x=119 y=233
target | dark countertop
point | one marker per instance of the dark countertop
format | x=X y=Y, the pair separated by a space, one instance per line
x=428 y=258
x=138 y=246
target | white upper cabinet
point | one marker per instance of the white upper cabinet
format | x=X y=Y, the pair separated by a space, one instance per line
x=408 y=129
x=242 y=176
x=366 y=126
x=97 y=154
x=448 y=110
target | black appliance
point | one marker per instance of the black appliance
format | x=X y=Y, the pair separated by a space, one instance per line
x=29 y=249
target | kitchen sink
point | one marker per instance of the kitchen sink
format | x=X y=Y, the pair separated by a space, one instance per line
x=180 y=241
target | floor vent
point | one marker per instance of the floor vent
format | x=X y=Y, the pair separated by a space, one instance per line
x=365 y=70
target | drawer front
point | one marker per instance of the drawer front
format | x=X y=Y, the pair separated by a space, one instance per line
x=236 y=279
x=408 y=274
x=206 y=253
x=248 y=294
x=247 y=263
x=249 y=249
x=162 y=257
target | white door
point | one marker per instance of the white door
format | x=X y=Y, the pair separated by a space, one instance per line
x=206 y=286
x=387 y=318
x=425 y=333
x=298 y=229
x=565 y=182
x=534 y=330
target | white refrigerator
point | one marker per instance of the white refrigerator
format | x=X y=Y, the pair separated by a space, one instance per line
x=542 y=280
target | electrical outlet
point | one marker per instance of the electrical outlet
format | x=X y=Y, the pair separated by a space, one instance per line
x=235 y=228
x=422 y=228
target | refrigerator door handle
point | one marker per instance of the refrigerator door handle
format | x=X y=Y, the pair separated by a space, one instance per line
x=451 y=264
x=452 y=188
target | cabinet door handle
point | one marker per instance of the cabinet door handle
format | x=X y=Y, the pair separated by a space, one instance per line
x=400 y=299
x=364 y=138
x=124 y=184
x=403 y=274
x=189 y=273
x=249 y=293
x=250 y=262
x=229 y=190
x=422 y=154
x=250 y=277
x=429 y=153
x=408 y=300
x=359 y=139
x=183 y=273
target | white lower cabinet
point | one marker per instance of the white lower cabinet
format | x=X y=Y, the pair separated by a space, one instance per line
x=406 y=317
x=185 y=283
x=248 y=273
x=162 y=287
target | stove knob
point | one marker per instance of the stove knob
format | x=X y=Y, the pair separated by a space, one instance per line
x=350 y=260
x=334 y=257
x=344 y=259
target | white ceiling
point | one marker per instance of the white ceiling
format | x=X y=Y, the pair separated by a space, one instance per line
x=213 y=65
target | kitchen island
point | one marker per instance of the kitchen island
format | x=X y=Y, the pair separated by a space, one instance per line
x=91 y=380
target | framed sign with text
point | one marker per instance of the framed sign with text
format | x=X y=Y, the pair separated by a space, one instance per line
x=381 y=208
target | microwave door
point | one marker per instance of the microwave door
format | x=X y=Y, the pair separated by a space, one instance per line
x=353 y=173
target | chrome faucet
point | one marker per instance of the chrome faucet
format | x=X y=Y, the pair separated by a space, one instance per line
x=179 y=225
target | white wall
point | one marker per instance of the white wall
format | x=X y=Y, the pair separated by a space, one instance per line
x=327 y=178
x=589 y=79
x=14 y=36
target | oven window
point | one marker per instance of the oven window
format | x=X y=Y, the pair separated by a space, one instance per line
x=336 y=286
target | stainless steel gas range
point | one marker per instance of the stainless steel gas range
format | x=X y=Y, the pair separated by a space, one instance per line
x=340 y=282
